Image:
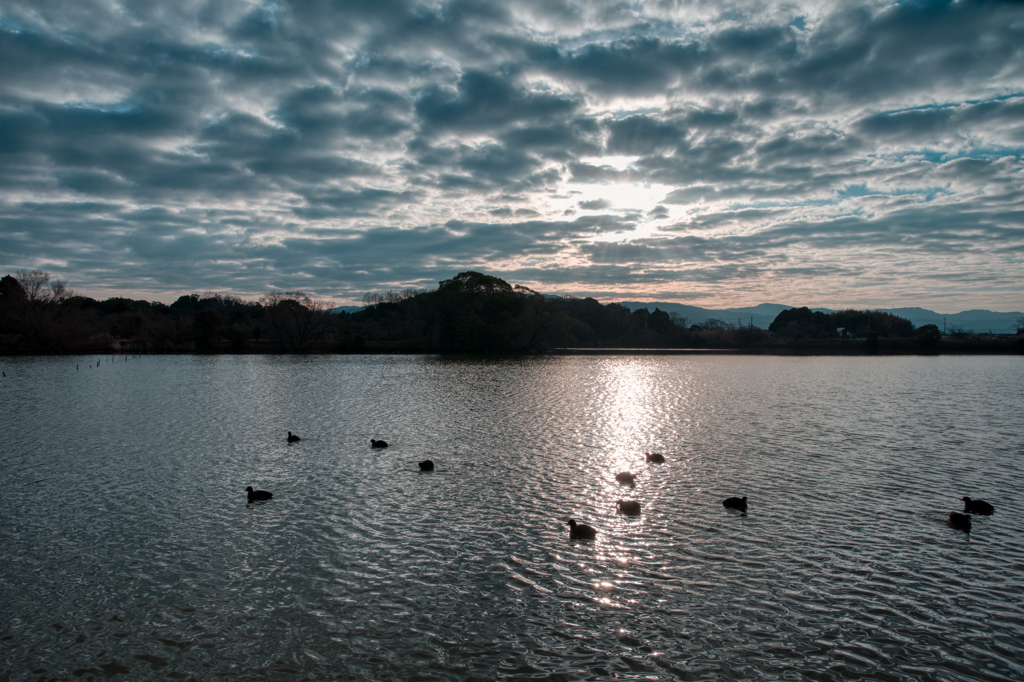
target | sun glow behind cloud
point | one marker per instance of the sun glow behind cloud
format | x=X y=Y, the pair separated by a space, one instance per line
x=639 y=202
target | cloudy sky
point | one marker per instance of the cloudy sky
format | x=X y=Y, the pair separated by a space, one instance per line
x=712 y=153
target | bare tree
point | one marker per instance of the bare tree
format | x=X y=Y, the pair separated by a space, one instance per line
x=959 y=331
x=713 y=323
x=371 y=298
x=33 y=308
x=295 y=320
x=34 y=283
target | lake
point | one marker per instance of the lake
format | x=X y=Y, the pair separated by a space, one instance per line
x=130 y=550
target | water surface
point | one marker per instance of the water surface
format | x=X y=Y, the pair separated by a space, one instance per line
x=130 y=552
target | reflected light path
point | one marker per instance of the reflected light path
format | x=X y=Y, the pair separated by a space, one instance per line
x=130 y=545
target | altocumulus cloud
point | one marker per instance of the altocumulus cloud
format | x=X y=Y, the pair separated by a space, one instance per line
x=827 y=153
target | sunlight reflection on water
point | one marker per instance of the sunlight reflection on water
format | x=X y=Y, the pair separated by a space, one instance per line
x=130 y=549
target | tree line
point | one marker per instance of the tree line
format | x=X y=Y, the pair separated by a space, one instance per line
x=469 y=313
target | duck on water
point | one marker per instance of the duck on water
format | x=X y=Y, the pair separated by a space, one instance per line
x=255 y=495
x=739 y=503
x=628 y=507
x=961 y=521
x=581 y=531
x=977 y=506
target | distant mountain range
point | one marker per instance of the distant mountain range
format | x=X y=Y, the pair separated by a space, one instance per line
x=975 y=321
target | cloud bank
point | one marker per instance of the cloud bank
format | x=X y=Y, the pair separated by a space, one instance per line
x=820 y=153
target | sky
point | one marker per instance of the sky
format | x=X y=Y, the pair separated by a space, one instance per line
x=721 y=154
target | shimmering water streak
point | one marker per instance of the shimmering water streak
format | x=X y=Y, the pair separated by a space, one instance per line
x=129 y=550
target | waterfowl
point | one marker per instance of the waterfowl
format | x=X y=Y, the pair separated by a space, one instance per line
x=426 y=465
x=625 y=477
x=258 y=494
x=977 y=506
x=656 y=457
x=292 y=438
x=735 y=503
x=378 y=443
x=581 y=531
x=961 y=521
x=630 y=507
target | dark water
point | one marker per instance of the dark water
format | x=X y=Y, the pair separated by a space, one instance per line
x=129 y=550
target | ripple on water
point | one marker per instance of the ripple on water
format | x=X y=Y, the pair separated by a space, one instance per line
x=131 y=550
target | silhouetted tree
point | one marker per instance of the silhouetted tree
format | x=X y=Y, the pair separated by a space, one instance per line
x=12 y=303
x=207 y=327
x=295 y=320
x=957 y=331
x=473 y=312
x=640 y=318
x=34 y=311
x=713 y=324
x=928 y=335
x=660 y=322
x=860 y=322
x=372 y=298
x=800 y=322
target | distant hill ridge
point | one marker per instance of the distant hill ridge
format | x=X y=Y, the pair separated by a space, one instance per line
x=975 y=321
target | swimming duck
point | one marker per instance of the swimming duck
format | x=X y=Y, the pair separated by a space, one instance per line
x=378 y=443
x=656 y=457
x=977 y=506
x=292 y=438
x=625 y=477
x=735 y=503
x=630 y=507
x=961 y=521
x=581 y=531
x=258 y=494
x=426 y=465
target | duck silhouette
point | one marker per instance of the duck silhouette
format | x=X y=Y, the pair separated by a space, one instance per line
x=581 y=531
x=961 y=521
x=655 y=457
x=292 y=438
x=426 y=465
x=625 y=477
x=977 y=506
x=378 y=443
x=258 y=494
x=735 y=503
x=628 y=507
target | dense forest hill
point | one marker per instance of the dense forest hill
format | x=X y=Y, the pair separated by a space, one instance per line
x=469 y=313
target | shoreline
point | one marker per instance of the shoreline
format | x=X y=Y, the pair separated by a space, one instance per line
x=788 y=351
x=816 y=349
